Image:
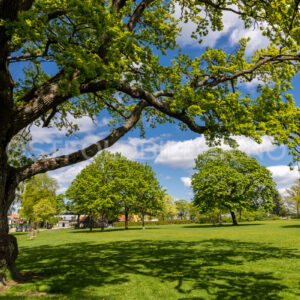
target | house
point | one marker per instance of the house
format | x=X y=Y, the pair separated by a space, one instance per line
x=14 y=219
x=66 y=220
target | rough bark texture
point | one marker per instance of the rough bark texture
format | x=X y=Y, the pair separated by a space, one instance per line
x=8 y=243
x=91 y=222
x=126 y=219
x=234 y=221
x=143 y=221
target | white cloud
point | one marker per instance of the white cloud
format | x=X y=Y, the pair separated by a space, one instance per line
x=104 y=122
x=65 y=176
x=233 y=28
x=183 y=153
x=230 y=21
x=133 y=148
x=258 y=41
x=48 y=135
x=137 y=148
x=284 y=176
x=186 y=181
x=282 y=192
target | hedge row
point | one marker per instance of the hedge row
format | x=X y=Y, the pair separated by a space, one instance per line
x=139 y=223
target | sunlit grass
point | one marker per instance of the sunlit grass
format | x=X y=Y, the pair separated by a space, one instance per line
x=251 y=261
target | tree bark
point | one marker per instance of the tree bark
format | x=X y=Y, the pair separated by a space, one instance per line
x=8 y=243
x=234 y=221
x=143 y=221
x=91 y=222
x=240 y=215
x=126 y=220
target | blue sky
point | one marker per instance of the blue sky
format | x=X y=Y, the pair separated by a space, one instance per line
x=168 y=150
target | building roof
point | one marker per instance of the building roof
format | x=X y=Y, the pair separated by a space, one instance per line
x=14 y=216
x=121 y=218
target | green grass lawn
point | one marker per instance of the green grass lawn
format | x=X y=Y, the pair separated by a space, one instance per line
x=252 y=261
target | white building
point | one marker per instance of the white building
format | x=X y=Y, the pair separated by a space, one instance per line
x=66 y=220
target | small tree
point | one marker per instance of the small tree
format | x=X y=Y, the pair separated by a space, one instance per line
x=293 y=196
x=149 y=192
x=44 y=211
x=231 y=181
x=279 y=209
x=93 y=190
x=169 y=210
x=60 y=204
x=183 y=208
x=111 y=184
x=39 y=202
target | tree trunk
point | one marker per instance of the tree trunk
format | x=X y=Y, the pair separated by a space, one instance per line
x=91 y=222
x=234 y=221
x=143 y=221
x=8 y=243
x=126 y=220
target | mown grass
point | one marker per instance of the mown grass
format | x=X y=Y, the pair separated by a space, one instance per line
x=252 y=261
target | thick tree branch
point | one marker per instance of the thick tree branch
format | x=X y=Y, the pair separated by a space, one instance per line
x=48 y=96
x=26 y=57
x=138 y=13
x=162 y=106
x=48 y=164
x=118 y=4
x=9 y=9
x=50 y=117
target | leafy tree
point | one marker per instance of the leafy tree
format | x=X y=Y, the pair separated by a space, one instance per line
x=194 y=213
x=293 y=196
x=61 y=206
x=44 y=211
x=169 y=210
x=39 y=202
x=93 y=190
x=183 y=208
x=104 y=50
x=279 y=208
x=149 y=193
x=231 y=181
x=111 y=184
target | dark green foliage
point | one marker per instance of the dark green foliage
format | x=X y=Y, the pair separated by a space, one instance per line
x=112 y=185
x=230 y=181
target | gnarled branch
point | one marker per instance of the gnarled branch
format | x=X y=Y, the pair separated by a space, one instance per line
x=48 y=164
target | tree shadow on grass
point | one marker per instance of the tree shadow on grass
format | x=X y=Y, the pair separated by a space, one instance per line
x=221 y=225
x=213 y=267
x=291 y=226
x=110 y=230
x=19 y=233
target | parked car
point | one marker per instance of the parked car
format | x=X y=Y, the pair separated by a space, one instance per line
x=49 y=226
x=19 y=228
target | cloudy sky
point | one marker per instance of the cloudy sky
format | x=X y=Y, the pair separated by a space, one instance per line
x=168 y=150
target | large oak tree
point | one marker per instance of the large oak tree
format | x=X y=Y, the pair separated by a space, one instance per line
x=107 y=54
x=230 y=181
